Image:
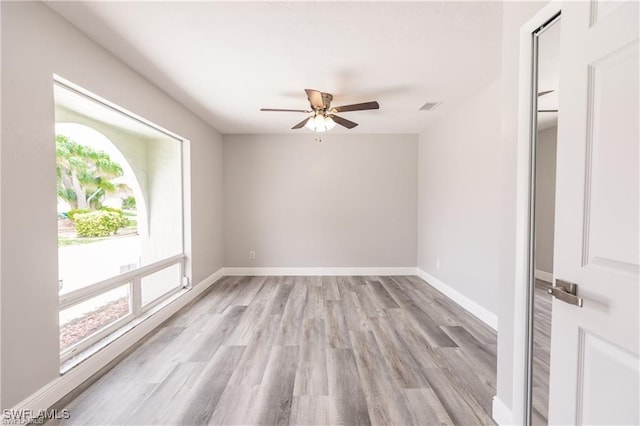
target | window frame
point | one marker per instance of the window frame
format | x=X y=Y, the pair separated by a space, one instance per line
x=132 y=278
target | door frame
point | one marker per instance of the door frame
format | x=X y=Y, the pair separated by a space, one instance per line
x=524 y=270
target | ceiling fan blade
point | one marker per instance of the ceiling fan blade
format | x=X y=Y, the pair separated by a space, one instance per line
x=343 y=121
x=285 y=110
x=357 y=107
x=546 y=92
x=547 y=110
x=315 y=98
x=301 y=124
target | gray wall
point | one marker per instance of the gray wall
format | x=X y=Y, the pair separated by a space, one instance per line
x=36 y=43
x=349 y=201
x=459 y=199
x=545 y=197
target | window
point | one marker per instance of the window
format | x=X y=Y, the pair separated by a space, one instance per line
x=120 y=217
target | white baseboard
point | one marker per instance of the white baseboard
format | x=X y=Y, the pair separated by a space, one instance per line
x=260 y=271
x=472 y=307
x=544 y=276
x=501 y=413
x=57 y=389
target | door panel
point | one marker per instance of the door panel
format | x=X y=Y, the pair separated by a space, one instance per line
x=612 y=198
x=594 y=376
x=600 y=9
x=601 y=363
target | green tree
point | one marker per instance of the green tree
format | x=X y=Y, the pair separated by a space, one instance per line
x=84 y=174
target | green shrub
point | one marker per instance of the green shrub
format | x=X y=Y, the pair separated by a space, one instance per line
x=99 y=223
x=129 y=203
x=111 y=209
x=72 y=213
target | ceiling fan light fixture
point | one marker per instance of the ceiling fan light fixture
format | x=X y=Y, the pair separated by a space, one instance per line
x=320 y=123
x=329 y=123
x=316 y=124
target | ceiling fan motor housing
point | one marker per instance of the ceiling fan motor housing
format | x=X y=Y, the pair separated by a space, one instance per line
x=326 y=101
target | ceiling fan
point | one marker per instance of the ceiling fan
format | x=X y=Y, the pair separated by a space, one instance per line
x=323 y=116
x=546 y=92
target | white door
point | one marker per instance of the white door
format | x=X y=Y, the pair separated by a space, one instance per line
x=594 y=375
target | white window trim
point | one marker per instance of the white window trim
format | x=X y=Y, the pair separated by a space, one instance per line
x=134 y=277
x=131 y=278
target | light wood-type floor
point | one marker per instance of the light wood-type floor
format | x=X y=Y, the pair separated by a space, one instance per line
x=541 y=353
x=305 y=350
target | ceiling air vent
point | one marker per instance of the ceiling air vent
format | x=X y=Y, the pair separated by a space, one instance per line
x=430 y=106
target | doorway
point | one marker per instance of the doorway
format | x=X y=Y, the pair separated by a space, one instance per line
x=593 y=369
x=544 y=190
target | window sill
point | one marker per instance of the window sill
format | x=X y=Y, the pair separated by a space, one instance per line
x=79 y=358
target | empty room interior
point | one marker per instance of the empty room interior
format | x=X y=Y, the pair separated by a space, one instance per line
x=320 y=213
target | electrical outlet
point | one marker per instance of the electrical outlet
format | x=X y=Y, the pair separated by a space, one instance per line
x=252 y=254
x=438 y=263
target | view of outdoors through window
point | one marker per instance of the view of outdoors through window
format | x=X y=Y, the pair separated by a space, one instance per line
x=119 y=190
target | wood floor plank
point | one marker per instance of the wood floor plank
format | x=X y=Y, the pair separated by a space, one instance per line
x=425 y=299
x=273 y=401
x=135 y=366
x=456 y=402
x=468 y=378
x=381 y=295
x=248 y=289
x=478 y=329
x=168 y=356
x=336 y=325
x=385 y=401
x=104 y=401
x=279 y=299
x=355 y=317
x=311 y=374
x=432 y=333
x=251 y=368
x=348 y=403
x=540 y=396
x=235 y=406
x=232 y=287
x=192 y=310
x=399 y=294
x=451 y=313
x=314 y=305
x=205 y=344
x=541 y=351
x=427 y=407
x=367 y=301
x=254 y=314
x=311 y=410
x=417 y=346
x=400 y=363
x=174 y=388
x=480 y=353
x=209 y=386
x=292 y=317
x=330 y=287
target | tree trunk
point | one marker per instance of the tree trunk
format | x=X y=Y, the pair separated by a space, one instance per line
x=68 y=184
x=81 y=194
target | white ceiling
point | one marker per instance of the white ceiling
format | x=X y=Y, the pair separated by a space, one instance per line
x=226 y=60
